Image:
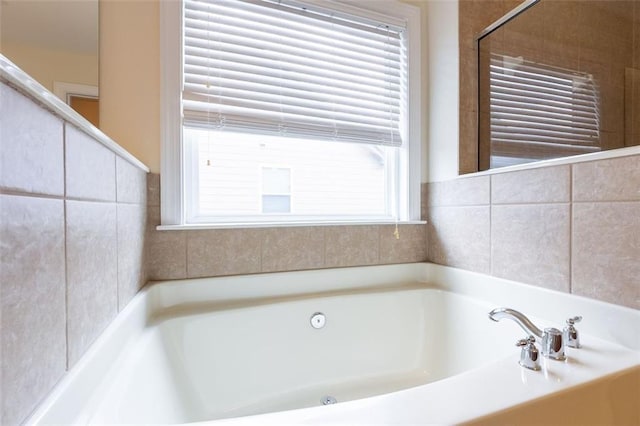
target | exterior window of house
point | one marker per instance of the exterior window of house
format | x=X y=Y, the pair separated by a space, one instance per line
x=293 y=112
x=276 y=190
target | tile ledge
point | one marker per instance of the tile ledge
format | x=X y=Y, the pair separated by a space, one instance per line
x=583 y=158
x=278 y=225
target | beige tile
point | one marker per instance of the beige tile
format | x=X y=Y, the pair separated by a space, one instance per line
x=31 y=140
x=153 y=217
x=32 y=301
x=460 y=192
x=424 y=201
x=131 y=183
x=545 y=185
x=92 y=273
x=410 y=245
x=616 y=179
x=530 y=244
x=459 y=237
x=632 y=106
x=636 y=35
x=484 y=141
x=606 y=252
x=166 y=255
x=475 y=16
x=131 y=236
x=153 y=189
x=468 y=80
x=611 y=117
x=290 y=249
x=223 y=252
x=468 y=142
x=351 y=246
x=90 y=167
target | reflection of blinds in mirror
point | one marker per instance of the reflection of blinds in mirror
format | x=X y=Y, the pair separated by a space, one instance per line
x=540 y=112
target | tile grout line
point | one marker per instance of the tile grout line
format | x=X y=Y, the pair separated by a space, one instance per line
x=571 y=230
x=18 y=193
x=378 y=230
x=490 y=226
x=261 y=235
x=186 y=255
x=324 y=247
x=66 y=262
x=115 y=177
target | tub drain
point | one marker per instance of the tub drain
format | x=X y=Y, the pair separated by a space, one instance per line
x=328 y=400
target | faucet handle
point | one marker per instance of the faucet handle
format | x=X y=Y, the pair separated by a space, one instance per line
x=570 y=334
x=529 y=355
x=574 y=320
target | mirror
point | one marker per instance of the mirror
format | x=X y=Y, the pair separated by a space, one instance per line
x=56 y=43
x=559 y=78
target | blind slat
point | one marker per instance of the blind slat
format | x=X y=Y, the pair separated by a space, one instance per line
x=305 y=99
x=254 y=66
x=274 y=69
x=508 y=104
x=266 y=23
x=525 y=116
x=201 y=50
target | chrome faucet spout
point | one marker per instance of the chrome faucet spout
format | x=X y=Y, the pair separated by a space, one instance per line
x=519 y=318
x=550 y=339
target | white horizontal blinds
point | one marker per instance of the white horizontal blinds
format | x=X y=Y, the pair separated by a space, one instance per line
x=267 y=67
x=539 y=111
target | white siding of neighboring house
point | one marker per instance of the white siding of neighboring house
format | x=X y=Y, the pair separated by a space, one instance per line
x=354 y=184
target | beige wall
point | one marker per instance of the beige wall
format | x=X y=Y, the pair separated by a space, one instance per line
x=442 y=90
x=47 y=66
x=130 y=77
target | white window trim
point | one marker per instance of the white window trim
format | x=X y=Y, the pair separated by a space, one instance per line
x=172 y=209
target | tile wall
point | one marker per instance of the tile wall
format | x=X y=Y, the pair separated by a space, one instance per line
x=72 y=226
x=573 y=228
x=216 y=252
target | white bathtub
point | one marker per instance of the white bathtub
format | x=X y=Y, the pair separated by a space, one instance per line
x=401 y=344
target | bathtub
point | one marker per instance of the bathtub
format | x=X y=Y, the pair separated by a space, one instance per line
x=398 y=344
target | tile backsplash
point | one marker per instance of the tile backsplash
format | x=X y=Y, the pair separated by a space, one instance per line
x=573 y=228
x=72 y=222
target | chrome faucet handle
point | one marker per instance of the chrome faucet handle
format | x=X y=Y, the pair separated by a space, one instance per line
x=570 y=334
x=529 y=355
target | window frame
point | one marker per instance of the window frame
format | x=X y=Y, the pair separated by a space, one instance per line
x=175 y=176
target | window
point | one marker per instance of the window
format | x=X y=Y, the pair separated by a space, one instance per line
x=290 y=112
x=276 y=190
x=540 y=112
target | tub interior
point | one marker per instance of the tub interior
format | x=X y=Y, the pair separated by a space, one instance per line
x=243 y=361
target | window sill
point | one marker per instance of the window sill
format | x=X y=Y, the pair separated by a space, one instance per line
x=279 y=225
